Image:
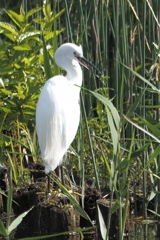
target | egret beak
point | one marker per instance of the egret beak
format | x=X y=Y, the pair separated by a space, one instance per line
x=83 y=61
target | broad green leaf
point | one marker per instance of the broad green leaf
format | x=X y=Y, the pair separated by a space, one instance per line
x=11 y=28
x=6 y=110
x=22 y=12
x=50 y=35
x=5 y=91
x=17 y=221
x=52 y=19
x=18 y=19
x=10 y=36
x=47 y=11
x=22 y=47
x=29 y=35
x=59 y=14
x=32 y=11
x=40 y=21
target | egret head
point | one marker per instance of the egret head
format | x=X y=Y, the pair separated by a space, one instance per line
x=74 y=54
x=69 y=51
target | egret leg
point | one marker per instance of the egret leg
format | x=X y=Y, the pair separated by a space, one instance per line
x=60 y=170
x=60 y=173
x=49 y=182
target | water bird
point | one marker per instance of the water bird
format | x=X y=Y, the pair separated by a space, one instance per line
x=58 y=108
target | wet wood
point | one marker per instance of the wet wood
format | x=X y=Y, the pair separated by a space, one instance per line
x=53 y=213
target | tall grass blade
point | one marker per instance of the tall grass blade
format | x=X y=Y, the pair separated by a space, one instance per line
x=75 y=203
x=90 y=144
x=143 y=79
x=9 y=199
x=142 y=129
x=47 y=67
x=57 y=234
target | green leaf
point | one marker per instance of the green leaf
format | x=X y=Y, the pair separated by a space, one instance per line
x=142 y=129
x=50 y=35
x=52 y=20
x=108 y=103
x=123 y=164
x=143 y=79
x=102 y=224
x=58 y=234
x=47 y=11
x=22 y=12
x=139 y=151
x=18 y=19
x=155 y=213
x=10 y=36
x=3 y=229
x=133 y=107
x=32 y=11
x=22 y=47
x=10 y=194
x=153 y=156
x=154 y=129
x=6 y=70
x=75 y=203
x=29 y=35
x=10 y=28
x=114 y=133
x=17 y=221
x=115 y=206
x=40 y=21
x=5 y=91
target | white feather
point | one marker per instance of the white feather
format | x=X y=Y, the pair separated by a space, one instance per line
x=58 y=110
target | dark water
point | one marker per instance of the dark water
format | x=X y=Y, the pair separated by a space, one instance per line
x=140 y=231
x=135 y=231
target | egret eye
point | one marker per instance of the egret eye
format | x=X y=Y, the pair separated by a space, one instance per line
x=75 y=54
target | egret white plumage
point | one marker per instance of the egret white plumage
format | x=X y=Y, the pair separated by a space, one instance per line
x=58 y=109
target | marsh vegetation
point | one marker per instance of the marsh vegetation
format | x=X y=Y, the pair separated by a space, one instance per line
x=117 y=145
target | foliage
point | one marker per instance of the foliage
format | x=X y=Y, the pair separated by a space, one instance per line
x=22 y=76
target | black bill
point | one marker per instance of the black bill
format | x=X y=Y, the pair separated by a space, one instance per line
x=89 y=66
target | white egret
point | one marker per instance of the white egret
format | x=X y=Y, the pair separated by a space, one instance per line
x=58 y=110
